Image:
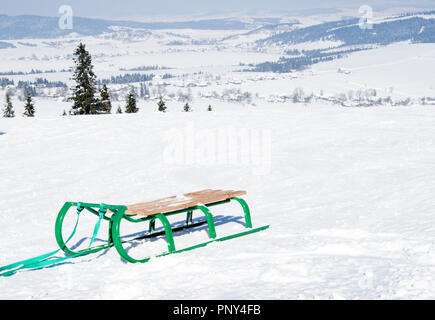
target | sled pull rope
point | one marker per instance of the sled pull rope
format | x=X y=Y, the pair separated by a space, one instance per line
x=101 y=212
x=41 y=260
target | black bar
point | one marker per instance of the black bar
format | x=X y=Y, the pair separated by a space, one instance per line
x=227 y=309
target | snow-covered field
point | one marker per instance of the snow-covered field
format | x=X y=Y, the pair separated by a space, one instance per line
x=348 y=193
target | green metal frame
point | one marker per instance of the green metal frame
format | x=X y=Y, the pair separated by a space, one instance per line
x=115 y=215
x=118 y=215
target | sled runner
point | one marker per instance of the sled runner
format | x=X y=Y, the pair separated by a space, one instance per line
x=148 y=212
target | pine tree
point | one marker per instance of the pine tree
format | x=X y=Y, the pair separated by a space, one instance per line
x=131 y=104
x=85 y=88
x=209 y=108
x=29 y=108
x=8 y=111
x=162 y=105
x=187 y=108
x=106 y=105
x=64 y=113
x=119 y=111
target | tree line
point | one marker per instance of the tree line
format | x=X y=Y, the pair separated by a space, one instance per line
x=86 y=97
x=29 y=107
x=83 y=93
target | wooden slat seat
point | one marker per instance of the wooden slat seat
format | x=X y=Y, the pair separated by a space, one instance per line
x=175 y=203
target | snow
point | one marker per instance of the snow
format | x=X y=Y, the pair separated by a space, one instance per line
x=347 y=192
x=348 y=197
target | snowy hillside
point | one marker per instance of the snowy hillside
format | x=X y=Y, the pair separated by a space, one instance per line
x=347 y=192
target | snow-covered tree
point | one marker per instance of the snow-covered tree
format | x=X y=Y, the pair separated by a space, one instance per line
x=29 y=107
x=162 y=105
x=8 y=111
x=106 y=105
x=83 y=94
x=144 y=91
x=298 y=95
x=131 y=103
x=187 y=108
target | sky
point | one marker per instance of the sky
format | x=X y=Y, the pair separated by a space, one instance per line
x=118 y=9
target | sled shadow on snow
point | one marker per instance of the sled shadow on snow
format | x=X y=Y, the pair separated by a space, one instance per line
x=218 y=220
x=144 y=237
x=2 y=133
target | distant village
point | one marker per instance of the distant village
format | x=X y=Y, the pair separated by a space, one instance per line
x=185 y=87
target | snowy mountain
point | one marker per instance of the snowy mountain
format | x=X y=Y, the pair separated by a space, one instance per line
x=28 y=26
x=413 y=27
x=343 y=37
